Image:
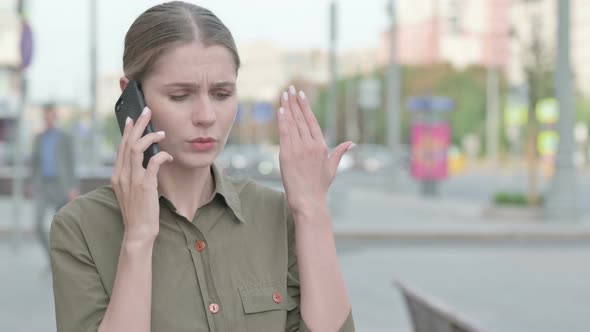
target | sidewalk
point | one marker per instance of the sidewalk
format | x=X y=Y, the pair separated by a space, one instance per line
x=375 y=215
x=365 y=214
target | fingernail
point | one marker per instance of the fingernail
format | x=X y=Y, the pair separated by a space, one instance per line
x=145 y=111
x=302 y=94
x=292 y=90
x=161 y=133
x=127 y=120
x=282 y=110
x=285 y=96
x=171 y=158
x=350 y=147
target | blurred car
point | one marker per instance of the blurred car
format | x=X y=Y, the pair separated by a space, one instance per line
x=240 y=160
x=371 y=158
x=260 y=161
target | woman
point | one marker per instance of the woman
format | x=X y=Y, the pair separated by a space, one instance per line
x=179 y=246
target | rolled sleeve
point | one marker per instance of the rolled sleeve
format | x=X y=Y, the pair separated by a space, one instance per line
x=80 y=298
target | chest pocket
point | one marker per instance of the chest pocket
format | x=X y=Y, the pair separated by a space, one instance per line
x=265 y=307
x=266 y=298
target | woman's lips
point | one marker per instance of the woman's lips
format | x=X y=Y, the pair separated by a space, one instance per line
x=202 y=144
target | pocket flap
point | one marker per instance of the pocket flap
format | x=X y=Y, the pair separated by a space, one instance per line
x=265 y=298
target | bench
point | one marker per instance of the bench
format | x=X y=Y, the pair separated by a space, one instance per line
x=430 y=315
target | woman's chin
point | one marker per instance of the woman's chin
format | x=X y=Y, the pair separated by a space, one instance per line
x=192 y=161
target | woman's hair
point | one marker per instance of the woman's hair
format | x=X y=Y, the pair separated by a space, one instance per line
x=167 y=25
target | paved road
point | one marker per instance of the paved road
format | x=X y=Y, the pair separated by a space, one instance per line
x=504 y=288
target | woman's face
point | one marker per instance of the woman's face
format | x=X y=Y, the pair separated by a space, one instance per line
x=192 y=95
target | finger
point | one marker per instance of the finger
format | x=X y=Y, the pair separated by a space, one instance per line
x=284 y=136
x=312 y=122
x=300 y=121
x=139 y=148
x=126 y=165
x=337 y=154
x=154 y=164
x=140 y=124
x=121 y=152
x=292 y=131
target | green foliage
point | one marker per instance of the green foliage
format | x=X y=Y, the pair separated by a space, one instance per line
x=465 y=87
x=514 y=199
x=583 y=109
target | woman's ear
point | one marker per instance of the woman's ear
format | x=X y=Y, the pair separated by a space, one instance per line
x=123 y=83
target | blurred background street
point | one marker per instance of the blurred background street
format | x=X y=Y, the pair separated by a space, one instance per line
x=470 y=180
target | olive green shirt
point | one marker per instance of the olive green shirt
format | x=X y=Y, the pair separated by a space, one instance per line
x=232 y=268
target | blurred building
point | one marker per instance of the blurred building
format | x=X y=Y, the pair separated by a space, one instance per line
x=459 y=32
x=267 y=68
x=484 y=32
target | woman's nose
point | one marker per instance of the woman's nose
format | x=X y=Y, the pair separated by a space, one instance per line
x=203 y=113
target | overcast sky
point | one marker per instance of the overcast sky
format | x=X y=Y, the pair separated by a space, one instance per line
x=60 y=63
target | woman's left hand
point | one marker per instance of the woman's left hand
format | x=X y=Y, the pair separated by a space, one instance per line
x=306 y=168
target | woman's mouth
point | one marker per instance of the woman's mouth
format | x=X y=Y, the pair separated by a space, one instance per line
x=202 y=144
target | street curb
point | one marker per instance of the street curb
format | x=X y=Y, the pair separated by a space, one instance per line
x=429 y=235
x=449 y=236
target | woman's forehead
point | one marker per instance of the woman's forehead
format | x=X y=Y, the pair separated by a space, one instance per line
x=195 y=62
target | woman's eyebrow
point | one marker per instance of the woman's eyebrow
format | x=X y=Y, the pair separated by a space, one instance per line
x=182 y=85
x=190 y=85
x=224 y=85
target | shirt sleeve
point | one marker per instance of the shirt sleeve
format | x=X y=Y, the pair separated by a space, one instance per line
x=294 y=321
x=80 y=298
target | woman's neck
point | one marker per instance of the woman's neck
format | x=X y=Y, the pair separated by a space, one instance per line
x=187 y=189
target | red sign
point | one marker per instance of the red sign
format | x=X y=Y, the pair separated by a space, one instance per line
x=430 y=142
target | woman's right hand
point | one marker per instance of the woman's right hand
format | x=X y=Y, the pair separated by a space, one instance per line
x=136 y=188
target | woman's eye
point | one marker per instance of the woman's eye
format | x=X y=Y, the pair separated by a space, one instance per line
x=222 y=95
x=178 y=97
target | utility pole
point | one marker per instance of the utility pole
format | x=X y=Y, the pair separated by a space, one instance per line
x=492 y=93
x=95 y=153
x=562 y=199
x=492 y=113
x=393 y=96
x=18 y=179
x=351 y=110
x=333 y=95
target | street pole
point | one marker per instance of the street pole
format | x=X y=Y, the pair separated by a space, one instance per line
x=351 y=110
x=393 y=98
x=18 y=177
x=492 y=114
x=333 y=95
x=562 y=199
x=95 y=153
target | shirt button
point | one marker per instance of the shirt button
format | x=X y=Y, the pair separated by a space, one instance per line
x=200 y=246
x=277 y=297
x=214 y=308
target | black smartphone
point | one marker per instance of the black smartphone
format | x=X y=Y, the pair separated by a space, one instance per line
x=131 y=104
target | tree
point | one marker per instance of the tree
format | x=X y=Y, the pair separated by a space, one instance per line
x=538 y=72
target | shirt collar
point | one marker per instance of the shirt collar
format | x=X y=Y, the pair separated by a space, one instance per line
x=226 y=188
x=223 y=187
